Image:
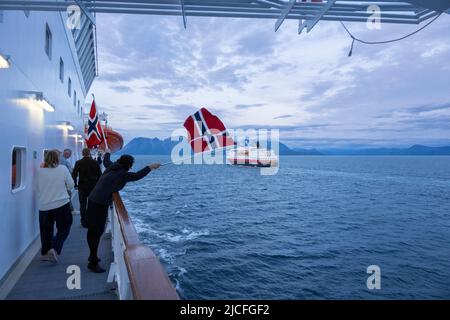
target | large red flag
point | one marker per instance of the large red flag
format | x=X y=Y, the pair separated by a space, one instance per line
x=206 y=132
x=95 y=134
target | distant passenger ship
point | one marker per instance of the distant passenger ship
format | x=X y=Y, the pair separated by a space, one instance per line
x=252 y=156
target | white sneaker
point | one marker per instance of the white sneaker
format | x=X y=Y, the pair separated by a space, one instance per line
x=52 y=256
x=44 y=257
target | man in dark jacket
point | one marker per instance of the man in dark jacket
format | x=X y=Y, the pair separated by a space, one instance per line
x=85 y=175
x=99 y=158
x=107 y=159
x=113 y=180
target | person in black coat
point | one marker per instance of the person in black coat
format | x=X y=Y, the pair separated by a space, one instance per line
x=107 y=159
x=99 y=158
x=112 y=180
x=85 y=174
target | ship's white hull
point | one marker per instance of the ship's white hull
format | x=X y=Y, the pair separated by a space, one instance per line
x=250 y=156
x=29 y=127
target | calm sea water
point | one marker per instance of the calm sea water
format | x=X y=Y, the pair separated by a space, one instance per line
x=309 y=232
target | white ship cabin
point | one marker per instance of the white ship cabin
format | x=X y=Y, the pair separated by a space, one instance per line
x=46 y=71
x=42 y=91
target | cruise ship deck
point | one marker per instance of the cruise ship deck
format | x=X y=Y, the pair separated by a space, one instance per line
x=45 y=281
x=134 y=272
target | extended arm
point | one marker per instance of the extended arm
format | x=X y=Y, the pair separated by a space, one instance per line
x=134 y=176
x=106 y=160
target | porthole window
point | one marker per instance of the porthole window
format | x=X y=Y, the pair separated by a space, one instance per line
x=18 y=168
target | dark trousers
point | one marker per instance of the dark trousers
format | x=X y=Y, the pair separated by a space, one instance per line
x=62 y=216
x=70 y=197
x=96 y=215
x=83 y=196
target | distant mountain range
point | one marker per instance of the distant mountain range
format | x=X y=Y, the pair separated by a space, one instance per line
x=416 y=150
x=286 y=151
x=155 y=146
x=148 y=146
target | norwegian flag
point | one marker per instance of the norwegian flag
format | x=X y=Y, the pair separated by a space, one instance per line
x=206 y=132
x=94 y=136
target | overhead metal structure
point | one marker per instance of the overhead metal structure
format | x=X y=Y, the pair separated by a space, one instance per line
x=307 y=12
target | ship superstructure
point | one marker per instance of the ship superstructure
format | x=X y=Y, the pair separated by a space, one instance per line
x=49 y=71
x=252 y=156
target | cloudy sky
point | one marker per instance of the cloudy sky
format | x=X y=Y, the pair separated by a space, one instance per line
x=154 y=73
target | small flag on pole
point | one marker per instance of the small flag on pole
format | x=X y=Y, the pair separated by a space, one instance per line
x=95 y=135
x=206 y=132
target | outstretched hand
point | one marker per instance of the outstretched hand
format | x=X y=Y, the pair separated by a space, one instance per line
x=154 y=166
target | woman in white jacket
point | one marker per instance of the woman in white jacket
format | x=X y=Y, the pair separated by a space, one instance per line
x=53 y=182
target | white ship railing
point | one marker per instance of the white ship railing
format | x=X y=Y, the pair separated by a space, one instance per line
x=136 y=270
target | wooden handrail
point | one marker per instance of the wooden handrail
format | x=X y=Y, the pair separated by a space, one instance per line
x=129 y=233
x=148 y=279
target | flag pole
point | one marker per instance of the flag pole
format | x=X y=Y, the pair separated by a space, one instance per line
x=104 y=132
x=104 y=129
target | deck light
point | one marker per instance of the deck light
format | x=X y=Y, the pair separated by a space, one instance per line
x=44 y=104
x=33 y=99
x=4 y=61
x=65 y=125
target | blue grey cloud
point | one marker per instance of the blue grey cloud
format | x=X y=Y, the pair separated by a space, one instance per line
x=429 y=108
x=122 y=89
x=249 y=76
x=247 y=106
x=286 y=116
